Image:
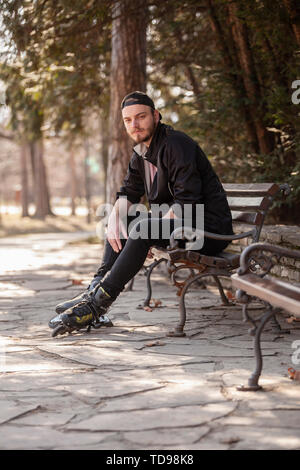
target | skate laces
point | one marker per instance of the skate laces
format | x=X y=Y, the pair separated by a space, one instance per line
x=84 y=308
x=90 y=307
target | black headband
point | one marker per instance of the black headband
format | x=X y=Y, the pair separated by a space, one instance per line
x=137 y=97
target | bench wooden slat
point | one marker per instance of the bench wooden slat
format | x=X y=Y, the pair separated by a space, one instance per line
x=248 y=204
x=277 y=293
x=253 y=189
x=247 y=217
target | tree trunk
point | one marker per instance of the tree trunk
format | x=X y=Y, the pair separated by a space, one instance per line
x=87 y=181
x=24 y=178
x=279 y=73
x=41 y=191
x=128 y=73
x=293 y=9
x=230 y=66
x=73 y=179
x=103 y=155
x=251 y=83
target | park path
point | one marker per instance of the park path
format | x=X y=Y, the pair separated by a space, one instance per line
x=131 y=387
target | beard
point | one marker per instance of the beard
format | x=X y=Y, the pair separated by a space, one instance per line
x=144 y=137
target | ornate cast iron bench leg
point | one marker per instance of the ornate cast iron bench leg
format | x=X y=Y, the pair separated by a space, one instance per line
x=178 y=330
x=222 y=293
x=148 y=273
x=256 y=331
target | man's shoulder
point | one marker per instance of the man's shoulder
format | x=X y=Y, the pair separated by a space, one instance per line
x=174 y=136
x=181 y=144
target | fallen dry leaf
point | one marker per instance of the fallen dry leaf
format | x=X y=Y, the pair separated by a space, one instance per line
x=292 y=319
x=230 y=295
x=77 y=282
x=155 y=343
x=148 y=309
x=294 y=374
x=156 y=302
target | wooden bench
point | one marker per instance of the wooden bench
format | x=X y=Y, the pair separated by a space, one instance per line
x=249 y=203
x=253 y=281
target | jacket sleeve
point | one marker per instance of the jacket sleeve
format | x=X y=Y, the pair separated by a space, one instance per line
x=184 y=175
x=133 y=185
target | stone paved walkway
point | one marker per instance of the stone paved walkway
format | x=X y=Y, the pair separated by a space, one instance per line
x=131 y=387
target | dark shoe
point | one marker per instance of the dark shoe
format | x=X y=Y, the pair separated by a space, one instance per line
x=83 y=296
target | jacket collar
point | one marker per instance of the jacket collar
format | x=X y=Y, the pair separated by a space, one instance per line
x=156 y=142
x=141 y=149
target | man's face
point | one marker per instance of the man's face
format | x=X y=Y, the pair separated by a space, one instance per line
x=140 y=122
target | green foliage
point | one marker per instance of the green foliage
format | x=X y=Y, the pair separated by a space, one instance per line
x=61 y=50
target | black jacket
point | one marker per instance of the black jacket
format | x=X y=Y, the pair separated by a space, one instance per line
x=184 y=176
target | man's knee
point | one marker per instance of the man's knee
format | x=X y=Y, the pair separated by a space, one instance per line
x=140 y=230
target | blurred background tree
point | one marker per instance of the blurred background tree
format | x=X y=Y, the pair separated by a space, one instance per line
x=220 y=70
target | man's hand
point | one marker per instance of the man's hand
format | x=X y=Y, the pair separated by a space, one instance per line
x=115 y=230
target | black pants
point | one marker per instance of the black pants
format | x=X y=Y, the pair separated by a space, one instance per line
x=120 y=268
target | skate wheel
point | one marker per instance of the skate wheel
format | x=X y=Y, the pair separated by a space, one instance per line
x=59 y=330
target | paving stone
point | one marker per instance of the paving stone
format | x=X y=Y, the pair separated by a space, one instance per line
x=45 y=418
x=203 y=348
x=162 y=437
x=171 y=395
x=26 y=361
x=252 y=437
x=45 y=438
x=10 y=410
x=105 y=390
x=120 y=355
x=9 y=317
x=154 y=418
x=266 y=418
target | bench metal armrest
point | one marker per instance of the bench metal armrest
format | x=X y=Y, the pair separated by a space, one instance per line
x=262 y=247
x=193 y=235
